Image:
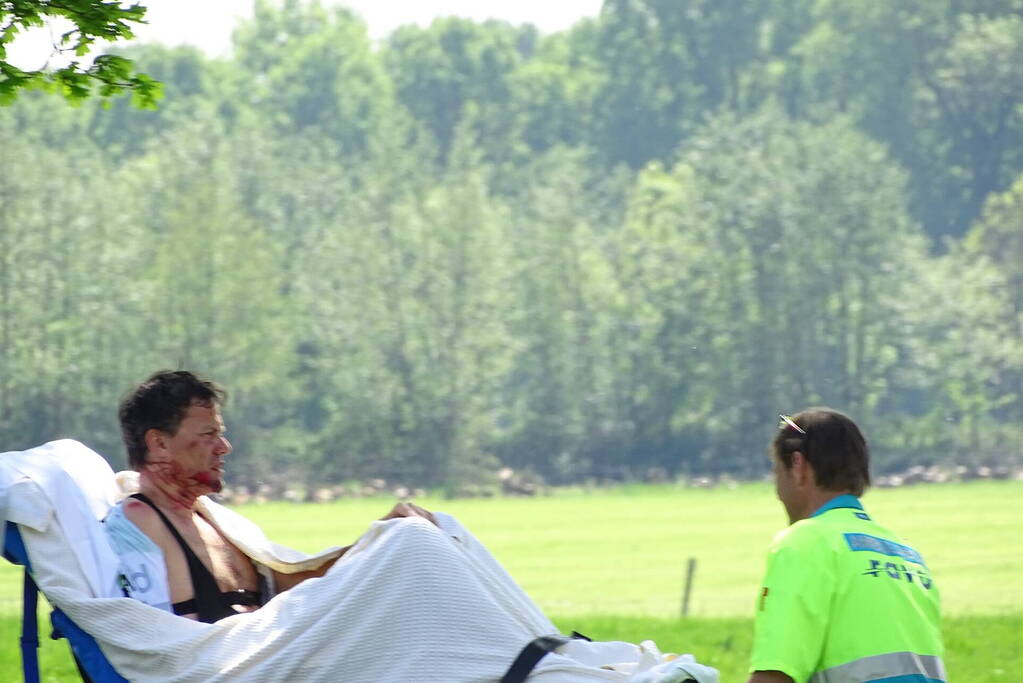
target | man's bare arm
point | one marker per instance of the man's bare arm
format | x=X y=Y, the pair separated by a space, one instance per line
x=405 y=509
x=283 y=582
x=769 y=677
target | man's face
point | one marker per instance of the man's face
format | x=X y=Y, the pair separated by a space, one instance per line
x=193 y=457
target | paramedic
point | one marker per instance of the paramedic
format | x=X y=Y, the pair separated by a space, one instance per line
x=844 y=600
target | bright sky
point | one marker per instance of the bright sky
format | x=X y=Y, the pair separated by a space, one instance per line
x=172 y=22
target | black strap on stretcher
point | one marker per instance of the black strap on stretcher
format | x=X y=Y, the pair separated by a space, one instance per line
x=533 y=652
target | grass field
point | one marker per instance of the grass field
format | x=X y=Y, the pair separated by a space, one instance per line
x=610 y=563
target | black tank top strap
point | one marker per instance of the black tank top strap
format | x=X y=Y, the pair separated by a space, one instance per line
x=237 y=597
x=210 y=604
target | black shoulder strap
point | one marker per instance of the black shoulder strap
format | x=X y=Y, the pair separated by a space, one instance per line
x=207 y=601
x=533 y=652
x=190 y=555
x=228 y=598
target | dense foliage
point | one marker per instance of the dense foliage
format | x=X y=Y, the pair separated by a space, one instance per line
x=88 y=20
x=618 y=249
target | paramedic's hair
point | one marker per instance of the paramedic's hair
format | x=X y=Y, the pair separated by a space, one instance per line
x=832 y=444
x=161 y=403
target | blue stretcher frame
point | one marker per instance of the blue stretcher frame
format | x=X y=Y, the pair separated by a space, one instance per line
x=92 y=663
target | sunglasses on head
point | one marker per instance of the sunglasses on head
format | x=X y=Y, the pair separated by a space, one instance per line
x=788 y=423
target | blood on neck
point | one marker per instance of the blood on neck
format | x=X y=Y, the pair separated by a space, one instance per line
x=181 y=487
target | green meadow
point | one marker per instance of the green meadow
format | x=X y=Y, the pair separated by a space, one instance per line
x=611 y=563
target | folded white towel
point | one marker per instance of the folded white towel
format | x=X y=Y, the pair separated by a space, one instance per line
x=67 y=482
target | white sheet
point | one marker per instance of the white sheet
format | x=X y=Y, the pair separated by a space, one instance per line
x=409 y=602
x=47 y=484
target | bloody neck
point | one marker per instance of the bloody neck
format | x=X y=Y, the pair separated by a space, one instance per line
x=173 y=488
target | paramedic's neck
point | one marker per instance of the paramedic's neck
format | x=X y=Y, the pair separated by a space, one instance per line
x=814 y=500
x=173 y=497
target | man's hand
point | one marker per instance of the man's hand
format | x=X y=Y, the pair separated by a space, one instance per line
x=409 y=510
x=769 y=677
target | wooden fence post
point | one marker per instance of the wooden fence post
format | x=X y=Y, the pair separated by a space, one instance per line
x=690 y=570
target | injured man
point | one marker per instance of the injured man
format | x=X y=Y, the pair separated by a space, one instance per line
x=415 y=598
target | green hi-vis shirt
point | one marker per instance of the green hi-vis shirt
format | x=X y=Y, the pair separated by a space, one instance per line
x=845 y=601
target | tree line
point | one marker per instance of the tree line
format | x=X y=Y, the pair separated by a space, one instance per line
x=619 y=248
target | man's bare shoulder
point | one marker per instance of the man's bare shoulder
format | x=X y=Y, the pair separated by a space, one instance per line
x=145 y=518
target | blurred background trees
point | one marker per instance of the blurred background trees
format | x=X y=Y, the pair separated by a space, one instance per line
x=618 y=250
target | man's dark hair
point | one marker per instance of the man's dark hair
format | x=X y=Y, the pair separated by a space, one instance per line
x=161 y=403
x=832 y=444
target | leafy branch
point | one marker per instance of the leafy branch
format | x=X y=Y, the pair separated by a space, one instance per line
x=108 y=75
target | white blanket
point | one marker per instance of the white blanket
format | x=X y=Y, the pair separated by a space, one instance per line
x=409 y=602
x=64 y=488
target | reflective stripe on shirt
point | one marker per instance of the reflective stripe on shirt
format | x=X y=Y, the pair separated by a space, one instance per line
x=894 y=667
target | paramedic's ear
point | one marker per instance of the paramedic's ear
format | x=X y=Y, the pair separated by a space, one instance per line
x=802 y=470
